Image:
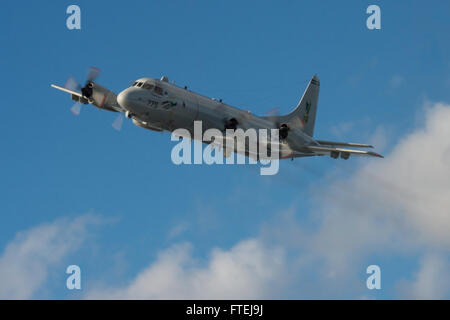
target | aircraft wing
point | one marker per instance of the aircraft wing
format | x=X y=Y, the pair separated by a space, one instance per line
x=321 y=150
x=77 y=96
x=66 y=90
x=238 y=147
x=221 y=144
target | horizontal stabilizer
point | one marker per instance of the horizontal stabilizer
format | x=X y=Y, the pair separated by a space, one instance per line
x=344 y=144
x=319 y=150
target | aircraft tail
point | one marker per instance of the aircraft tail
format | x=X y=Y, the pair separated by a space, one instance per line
x=304 y=115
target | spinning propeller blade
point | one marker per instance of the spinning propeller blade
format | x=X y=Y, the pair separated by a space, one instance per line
x=93 y=74
x=72 y=84
x=117 y=124
x=76 y=109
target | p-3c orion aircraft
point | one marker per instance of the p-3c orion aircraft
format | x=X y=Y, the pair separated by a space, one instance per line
x=162 y=106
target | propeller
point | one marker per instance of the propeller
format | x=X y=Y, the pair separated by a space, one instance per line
x=72 y=84
x=76 y=109
x=93 y=74
x=117 y=124
x=86 y=91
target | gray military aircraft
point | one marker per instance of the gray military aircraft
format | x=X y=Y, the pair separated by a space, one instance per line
x=163 y=106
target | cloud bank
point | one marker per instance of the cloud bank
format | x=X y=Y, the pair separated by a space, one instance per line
x=395 y=206
x=26 y=261
x=248 y=270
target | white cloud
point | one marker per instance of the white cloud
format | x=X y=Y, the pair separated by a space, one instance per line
x=414 y=181
x=430 y=282
x=248 y=270
x=394 y=206
x=408 y=191
x=26 y=260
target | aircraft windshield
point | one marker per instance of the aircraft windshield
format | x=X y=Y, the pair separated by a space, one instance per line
x=144 y=85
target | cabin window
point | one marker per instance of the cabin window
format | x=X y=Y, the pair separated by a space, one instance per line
x=159 y=90
x=148 y=86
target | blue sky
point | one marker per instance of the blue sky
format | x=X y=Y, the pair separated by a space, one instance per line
x=256 y=55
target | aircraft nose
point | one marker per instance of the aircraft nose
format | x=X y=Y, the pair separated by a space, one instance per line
x=124 y=98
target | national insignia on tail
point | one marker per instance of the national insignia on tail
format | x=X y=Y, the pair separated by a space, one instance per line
x=308 y=107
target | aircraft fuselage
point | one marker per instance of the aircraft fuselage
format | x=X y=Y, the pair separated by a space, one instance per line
x=160 y=105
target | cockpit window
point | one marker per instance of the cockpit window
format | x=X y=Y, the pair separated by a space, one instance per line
x=159 y=90
x=148 y=86
x=139 y=84
x=134 y=84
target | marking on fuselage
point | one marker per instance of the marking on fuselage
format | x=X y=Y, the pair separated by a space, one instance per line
x=152 y=103
x=168 y=104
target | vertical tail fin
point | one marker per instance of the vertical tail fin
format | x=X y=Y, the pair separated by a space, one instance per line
x=304 y=115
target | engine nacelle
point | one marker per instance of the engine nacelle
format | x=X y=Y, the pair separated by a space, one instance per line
x=284 y=131
x=102 y=98
x=231 y=124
